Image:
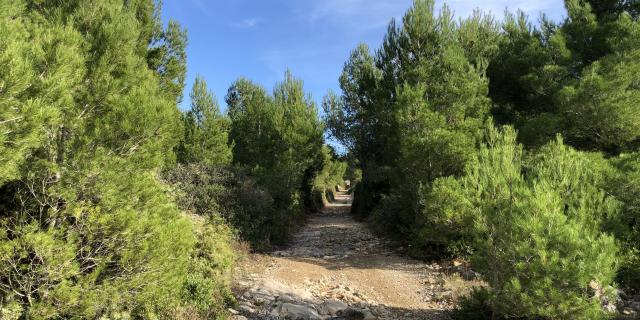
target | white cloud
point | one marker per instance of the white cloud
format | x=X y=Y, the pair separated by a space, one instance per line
x=464 y=8
x=371 y=14
x=362 y=14
x=250 y=22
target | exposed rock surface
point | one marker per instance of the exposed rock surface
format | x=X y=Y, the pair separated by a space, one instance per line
x=629 y=307
x=337 y=269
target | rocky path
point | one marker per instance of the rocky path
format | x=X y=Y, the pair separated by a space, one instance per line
x=336 y=268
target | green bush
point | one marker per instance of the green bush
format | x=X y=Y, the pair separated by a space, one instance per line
x=624 y=184
x=216 y=192
x=117 y=247
x=537 y=229
x=278 y=141
x=206 y=288
x=475 y=306
x=88 y=110
x=443 y=227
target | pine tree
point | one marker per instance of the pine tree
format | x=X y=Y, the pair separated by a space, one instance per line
x=553 y=79
x=359 y=121
x=279 y=138
x=598 y=107
x=521 y=58
x=302 y=132
x=168 y=57
x=539 y=237
x=87 y=231
x=38 y=75
x=440 y=105
x=206 y=130
x=421 y=100
x=600 y=110
x=253 y=124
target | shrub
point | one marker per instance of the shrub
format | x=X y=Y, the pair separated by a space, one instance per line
x=206 y=288
x=217 y=192
x=476 y=306
x=443 y=227
x=118 y=246
x=624 y=184
x=538 y=229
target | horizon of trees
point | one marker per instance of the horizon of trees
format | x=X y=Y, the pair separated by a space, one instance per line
x=508 y=144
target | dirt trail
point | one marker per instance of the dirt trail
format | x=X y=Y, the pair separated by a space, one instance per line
x=336 y=268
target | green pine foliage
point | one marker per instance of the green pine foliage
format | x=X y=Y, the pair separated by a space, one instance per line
x=115 y=204
x=415 y=111
x=623 y=182
x=600 y=109
x=577 y=78
x=537 y=228
x=168 y=57
x=32 y=102
x=279 y=139
x=515 y=72
x=206 y=130
x=87 y=113
x=548 y=214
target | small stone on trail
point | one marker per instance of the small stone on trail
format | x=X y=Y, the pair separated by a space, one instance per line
x=294 y=311
x=246 y=308
x=333 y=307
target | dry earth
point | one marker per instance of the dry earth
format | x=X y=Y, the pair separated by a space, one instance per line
x=335 y=268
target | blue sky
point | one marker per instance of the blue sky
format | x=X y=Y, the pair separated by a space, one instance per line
x=260 y=39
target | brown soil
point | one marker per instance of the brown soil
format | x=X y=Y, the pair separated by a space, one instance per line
x=336 y=258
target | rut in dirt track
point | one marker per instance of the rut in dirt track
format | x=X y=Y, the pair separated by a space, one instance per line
x=335 y=268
